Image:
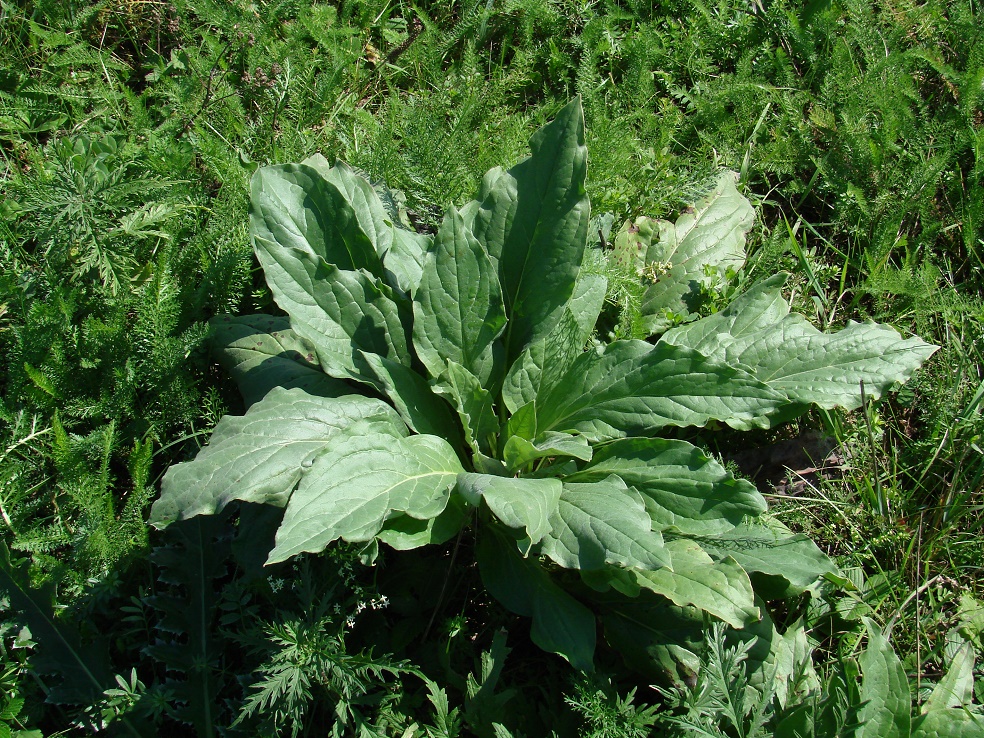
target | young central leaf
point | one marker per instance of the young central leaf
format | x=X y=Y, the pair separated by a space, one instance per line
x=458 y=310
x=533 y=220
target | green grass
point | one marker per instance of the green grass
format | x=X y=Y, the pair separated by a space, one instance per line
x=128 y=132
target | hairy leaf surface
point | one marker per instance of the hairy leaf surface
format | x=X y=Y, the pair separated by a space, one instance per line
x=787 y=353
x=634 y=388
x=338 y=311
x=294 y=206
x=709 y=234
x=526 y=504
x=603 y=524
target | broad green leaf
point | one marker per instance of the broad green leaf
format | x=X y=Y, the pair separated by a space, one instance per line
x=561 y=624
x=525 y=504
x=956 y=688
x=680 y=485
x=404 y=262
x=533 y=221
x=709 y=234
x=786 y=352
x=404 y=532
x=776 y=553
x=948 y=723
x=692 y=577
x=603 y=524
x=474 y=404
x=518 y=451
x=296 y=207
x=262 y=352
x=414 y=399
x=361 y=482
x=634 y=388
x=402 y=251
x=543 y=363
x=340 y=312
x=884 y=690
x=458 y=310
x=262 y=455
x=630 y=247
x=522 y=423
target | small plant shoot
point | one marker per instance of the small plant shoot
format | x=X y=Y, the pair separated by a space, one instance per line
x=430 y=386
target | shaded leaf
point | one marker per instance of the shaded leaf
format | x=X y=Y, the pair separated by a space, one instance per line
x=561 y=624
x=262 y=352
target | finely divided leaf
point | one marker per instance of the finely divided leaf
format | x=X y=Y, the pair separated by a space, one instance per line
x=262 y=352
x=634 y=388
x=680 y=485
x=361 y=482
x=261 y=456
x=458 y=309
x=533 y=221
x=600 y=525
